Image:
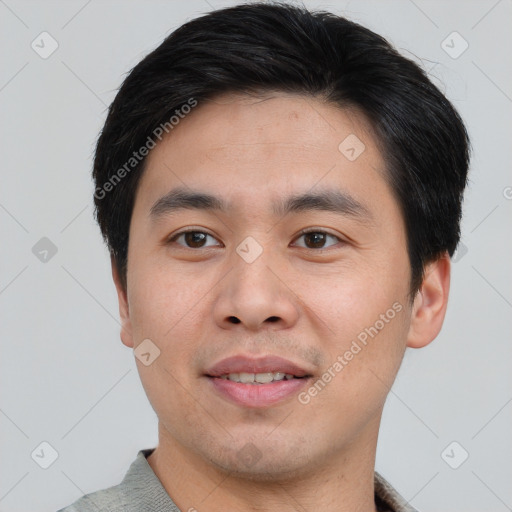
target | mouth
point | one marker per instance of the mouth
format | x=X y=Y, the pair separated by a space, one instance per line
x=256 y=383
x=259 y=378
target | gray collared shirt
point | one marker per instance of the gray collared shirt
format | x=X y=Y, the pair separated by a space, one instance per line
x=141 y=491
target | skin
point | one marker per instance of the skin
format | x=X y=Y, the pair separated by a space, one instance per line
x=295 y=301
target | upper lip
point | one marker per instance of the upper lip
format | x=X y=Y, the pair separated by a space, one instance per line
x=246 y=364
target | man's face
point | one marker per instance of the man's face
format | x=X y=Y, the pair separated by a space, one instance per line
x=248 y=285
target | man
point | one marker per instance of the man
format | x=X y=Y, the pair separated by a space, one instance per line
x=281 y=193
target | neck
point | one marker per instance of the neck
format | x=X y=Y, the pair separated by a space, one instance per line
x=343 y=482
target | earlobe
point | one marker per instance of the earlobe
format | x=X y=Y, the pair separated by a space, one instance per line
x=430 y=304
x=124 y=310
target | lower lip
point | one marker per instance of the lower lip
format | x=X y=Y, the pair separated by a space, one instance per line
x=257 y=395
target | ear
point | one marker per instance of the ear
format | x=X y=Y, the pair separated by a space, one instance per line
x=124 y=311
x=430 y=303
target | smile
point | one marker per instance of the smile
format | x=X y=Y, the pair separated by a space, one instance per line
x=258 y=378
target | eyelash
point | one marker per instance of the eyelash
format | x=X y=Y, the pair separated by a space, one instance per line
x=303 y=232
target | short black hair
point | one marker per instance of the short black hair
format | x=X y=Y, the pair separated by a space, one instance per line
x=261 y=48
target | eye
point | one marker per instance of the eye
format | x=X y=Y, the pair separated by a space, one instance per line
x=193 y=239
x=317 y=239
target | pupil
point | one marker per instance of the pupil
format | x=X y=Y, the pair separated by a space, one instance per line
x=315 y=239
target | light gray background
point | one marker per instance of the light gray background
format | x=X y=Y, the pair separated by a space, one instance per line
x=65 y=376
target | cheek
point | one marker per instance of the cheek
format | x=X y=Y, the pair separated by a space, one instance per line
x=365 y=322
x=161 y=299
x=350 y=298
x=165 y=307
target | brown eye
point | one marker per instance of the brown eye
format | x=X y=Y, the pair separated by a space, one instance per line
x=317 y=239
x=193 y=239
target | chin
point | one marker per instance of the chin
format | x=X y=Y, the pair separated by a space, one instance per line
x=265 y=465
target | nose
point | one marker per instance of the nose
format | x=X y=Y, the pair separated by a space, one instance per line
x=255 y=296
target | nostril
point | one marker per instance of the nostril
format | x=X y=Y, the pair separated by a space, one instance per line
x=273 y=319
x=234 y=320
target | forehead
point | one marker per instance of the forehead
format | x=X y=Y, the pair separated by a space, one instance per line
x=241 y=121
x=252 y=146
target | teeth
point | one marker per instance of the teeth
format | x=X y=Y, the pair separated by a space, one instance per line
x=264 y=378
x=257 y=378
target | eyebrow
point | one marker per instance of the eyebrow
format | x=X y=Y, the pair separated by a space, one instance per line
x=330 y=200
